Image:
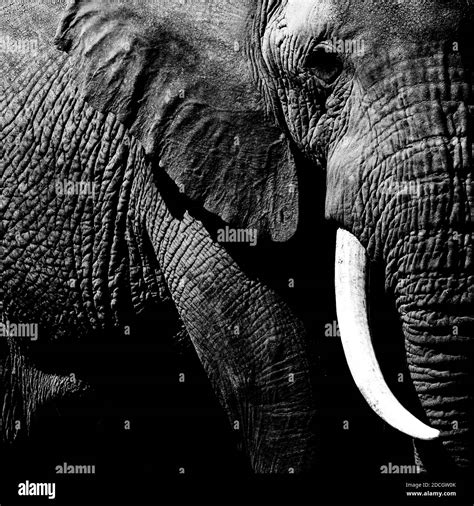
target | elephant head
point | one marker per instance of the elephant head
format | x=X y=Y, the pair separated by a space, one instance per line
x=380 y=96
x=223 y=97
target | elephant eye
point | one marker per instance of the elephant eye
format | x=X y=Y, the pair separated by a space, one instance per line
x=325 y=63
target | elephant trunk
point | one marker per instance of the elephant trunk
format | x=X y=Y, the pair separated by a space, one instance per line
x=436 y=305
x=426 y=240
x=428 y=253
x=251 y=345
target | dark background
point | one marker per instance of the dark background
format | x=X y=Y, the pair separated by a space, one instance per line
x=180 y=425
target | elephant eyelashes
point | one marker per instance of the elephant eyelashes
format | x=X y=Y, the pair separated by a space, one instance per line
x=326 y=65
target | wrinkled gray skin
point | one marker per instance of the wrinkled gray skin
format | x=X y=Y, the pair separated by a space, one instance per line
x=135 y=99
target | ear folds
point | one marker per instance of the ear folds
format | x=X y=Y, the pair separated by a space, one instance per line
x=186 y=93
x=237 y=166
x=109 y=56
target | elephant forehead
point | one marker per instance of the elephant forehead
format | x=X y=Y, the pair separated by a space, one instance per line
x=377 y=18
x=308 y=18
x=406 y=18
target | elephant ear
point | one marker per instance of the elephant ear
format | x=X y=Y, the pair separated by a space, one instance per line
x=180 y=80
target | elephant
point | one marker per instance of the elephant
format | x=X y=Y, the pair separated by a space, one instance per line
x=146 y=136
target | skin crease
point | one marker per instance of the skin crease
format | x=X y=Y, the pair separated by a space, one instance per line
x=377 y=123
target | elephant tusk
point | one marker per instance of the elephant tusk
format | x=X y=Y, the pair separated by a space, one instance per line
x=351 y=306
